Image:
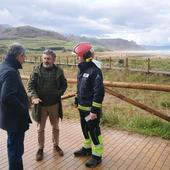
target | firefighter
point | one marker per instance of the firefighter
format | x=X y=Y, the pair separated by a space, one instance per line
x=90 y=94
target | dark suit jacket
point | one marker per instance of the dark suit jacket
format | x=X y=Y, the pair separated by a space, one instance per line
x=14 y=115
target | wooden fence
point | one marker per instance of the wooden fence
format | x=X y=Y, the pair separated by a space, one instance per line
x=108 y=84
x=144 y=65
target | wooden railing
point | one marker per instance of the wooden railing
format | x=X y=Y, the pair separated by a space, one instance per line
x=110 y=63
x=107 y=84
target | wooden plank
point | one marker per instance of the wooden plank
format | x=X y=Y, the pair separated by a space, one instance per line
x=122 y=149
x=143 y=86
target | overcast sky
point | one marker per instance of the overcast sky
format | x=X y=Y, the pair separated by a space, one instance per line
x=144 y=21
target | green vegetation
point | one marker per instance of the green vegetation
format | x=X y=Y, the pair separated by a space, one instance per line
x=116 y=113
x=36 y=45
x=119 y=114
x=145 y=125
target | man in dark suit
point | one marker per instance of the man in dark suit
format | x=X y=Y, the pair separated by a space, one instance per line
x=14 y=115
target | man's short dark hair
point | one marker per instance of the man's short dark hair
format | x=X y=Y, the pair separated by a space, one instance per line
x=50 y=53
x=16 y=49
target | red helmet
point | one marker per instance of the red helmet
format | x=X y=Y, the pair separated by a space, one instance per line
x=82 y=48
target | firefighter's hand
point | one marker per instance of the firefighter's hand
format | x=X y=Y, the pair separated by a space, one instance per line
x=36 y=100
x=93 y=116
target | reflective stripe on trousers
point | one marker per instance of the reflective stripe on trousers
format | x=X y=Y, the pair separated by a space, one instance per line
x=92 y=134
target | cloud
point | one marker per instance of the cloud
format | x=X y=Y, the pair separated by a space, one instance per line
x=144 y=21
x=7 y=17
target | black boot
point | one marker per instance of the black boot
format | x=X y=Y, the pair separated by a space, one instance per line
x=59 y=150
x=83 y=152
x=39 y=155
x=92 y=162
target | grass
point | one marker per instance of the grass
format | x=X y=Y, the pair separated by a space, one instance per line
x=116 y=113
x=149 y=126
x=119 y=114
x=146 y=125
x=36 y=45
x=125 y=119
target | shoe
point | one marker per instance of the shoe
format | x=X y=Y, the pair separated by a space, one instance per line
x=83 y=152
x=59 y=150
x=92 y=162
x=39 y=155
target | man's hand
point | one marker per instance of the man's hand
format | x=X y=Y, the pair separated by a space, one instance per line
x=93 y=116
x=36 y=100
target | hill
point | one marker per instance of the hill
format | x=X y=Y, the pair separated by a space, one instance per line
x=108 y=44
x=29 y=33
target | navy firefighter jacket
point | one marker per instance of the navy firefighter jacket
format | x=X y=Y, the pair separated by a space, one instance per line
x=90 y=88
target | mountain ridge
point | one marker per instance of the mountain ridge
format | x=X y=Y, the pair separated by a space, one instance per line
x=8 y=32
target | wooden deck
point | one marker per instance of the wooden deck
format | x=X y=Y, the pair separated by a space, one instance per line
x=123 y=150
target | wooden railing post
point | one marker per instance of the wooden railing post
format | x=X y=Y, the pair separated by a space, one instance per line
x=75 y=60
x=148 y=68
x=58 y=59
x=126 y=63
x=110 y=62
x=67 y=59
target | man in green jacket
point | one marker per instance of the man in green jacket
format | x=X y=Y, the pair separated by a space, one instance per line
x=46 y=85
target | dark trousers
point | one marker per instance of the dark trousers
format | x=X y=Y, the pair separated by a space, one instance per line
x=15 y=145
x=91 y=126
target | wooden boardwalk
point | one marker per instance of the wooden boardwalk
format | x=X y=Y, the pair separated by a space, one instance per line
x=123 y=150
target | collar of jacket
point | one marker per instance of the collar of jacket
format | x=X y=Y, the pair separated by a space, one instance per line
x=11 y=60
x=85 y=65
